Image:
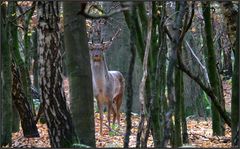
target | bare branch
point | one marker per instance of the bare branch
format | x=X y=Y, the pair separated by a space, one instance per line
x=207 y=89
x=105 y=16
x=203 y=67
x=192 y=15
x=167 y=32
x=187 y=25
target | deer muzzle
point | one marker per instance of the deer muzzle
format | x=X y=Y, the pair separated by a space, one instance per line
x=97 y=58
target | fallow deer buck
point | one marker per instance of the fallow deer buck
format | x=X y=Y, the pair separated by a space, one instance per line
x=108 y=86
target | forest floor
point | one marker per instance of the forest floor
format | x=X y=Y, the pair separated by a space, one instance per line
x=199 y=132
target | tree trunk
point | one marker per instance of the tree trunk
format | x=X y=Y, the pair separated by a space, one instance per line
x=231 y=22
x=178 y=110
x=59 y=121
x=16 y=119
x=6 y=82
x=157 y=73
x=79 y=73
x=35 y=59
x=130 y=81
x=235 y=90
x=212 y=71
x=21 y=103
x=20 y=63
x=145 y=73
x=176 y=46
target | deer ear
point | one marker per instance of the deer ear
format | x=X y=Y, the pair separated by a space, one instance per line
x=90 y=45
x=106 y=45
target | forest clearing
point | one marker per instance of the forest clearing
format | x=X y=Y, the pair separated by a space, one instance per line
x=120 y=74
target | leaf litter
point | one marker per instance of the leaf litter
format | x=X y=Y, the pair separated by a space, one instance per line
x=199 y=131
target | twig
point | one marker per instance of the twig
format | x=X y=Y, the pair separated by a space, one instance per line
x=203 y=67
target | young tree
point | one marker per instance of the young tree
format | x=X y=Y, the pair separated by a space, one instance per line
x=129 y=16
x=59 y=121
x=79 y=72
x=212 y=70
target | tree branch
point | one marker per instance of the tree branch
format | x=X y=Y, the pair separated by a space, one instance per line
x=186 y=25
x=206 y=89
x=105 y=16
x=203 y=67
x=167 y=32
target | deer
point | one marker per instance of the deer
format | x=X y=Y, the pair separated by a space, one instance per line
x=108 y=86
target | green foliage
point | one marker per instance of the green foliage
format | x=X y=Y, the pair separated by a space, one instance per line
x=113 y=132
x=207 y=104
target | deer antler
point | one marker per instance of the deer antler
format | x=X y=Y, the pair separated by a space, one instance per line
x=115 y=35
x=111 y=40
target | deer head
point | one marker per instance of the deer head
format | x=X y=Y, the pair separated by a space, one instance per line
x=97 y=50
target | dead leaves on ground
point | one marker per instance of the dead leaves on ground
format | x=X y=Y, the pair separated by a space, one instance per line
x=199 y=133
x=18 y=140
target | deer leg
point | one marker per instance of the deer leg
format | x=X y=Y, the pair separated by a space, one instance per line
x=114 y=116
x=109 y=114
x=119 y=102
x=114 y=109
x=101 y=115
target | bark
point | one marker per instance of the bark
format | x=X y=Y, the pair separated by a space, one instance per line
x=27 y=38
x=227 y=62
x=6 y=81
x=59 y=120
x=231 y=22
x=35 y=59
x=212 y=71
x=178 y=107
x=21 y=103
x=16 y=119
x=145 y=67
x=14 y=45
x=129 y=84
x=21 y=64
x=235 y=90
x=79 y=72
x=156 y=74
x=162 y=81
x=176 y=46
x=19 y=97
x=182 y=107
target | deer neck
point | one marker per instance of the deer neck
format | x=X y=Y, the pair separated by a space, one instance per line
x=99 y=69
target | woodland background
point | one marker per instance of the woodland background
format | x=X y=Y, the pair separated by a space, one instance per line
x=180 y=60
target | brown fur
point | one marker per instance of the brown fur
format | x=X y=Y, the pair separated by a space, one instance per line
x=108 y=86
